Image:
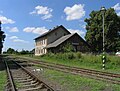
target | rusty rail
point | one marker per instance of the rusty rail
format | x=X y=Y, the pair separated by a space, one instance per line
x=35 y=77
x=11 y=84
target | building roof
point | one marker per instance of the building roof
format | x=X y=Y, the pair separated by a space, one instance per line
x=46 y=33
x=60 y=40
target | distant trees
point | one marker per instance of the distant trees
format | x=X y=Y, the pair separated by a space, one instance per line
x=94 y=35
x=12 y=51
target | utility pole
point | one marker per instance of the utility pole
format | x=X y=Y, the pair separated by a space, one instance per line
x=103 y=56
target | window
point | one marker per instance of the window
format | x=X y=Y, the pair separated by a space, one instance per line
x=40 y=42
x=43 y=50
x=43 y=41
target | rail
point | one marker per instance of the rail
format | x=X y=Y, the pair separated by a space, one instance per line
x=10 y=78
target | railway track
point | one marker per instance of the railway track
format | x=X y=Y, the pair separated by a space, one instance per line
x=21 y=79
x=99 y=75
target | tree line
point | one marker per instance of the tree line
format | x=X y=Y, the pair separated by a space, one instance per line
x=13 y=51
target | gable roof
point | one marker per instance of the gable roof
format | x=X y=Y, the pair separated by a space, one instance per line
x=46 y=33
x=64 y=38
x=59 y=41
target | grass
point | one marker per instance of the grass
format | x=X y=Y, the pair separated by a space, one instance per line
x=82 y=60
x=87 y=61
x=76 y=83
x=3 y=79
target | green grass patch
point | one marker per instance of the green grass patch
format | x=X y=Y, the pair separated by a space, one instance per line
x=82 y=60
x=76 y=83
x=2 y=80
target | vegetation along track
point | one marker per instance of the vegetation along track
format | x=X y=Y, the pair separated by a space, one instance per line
x=94 y=74
x=21 y=79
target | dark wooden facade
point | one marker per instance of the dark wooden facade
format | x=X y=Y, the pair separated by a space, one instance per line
x=76 y=41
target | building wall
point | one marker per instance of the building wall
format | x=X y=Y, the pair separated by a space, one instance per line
x=53 y=36
x=77 y=43
x=40 y=45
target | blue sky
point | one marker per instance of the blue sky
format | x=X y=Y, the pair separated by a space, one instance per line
x=23 y=20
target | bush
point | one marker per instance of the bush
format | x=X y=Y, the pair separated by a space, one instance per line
x=78 y=55
x=64 y=56
x=68 y=48
x=50 y=54
x=70 y=56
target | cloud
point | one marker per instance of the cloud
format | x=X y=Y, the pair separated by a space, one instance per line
x=117 y=6
x=49 y=20
x=46 y=16
x=6 y=34
x=20 y=40
x=75 y=12
x=16 y=39
x=80 y=32
x=5 y=20
x=44 y=11
x=82 y=26
x=13 y=29
x=118 y=13
x=13 y=37
x=38 y=30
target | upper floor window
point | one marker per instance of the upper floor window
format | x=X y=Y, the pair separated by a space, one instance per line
x=41 y=42
x=44 y=41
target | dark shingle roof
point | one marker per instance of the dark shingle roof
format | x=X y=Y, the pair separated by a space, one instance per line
x=63 y=39
x=45 y=34
x=59 y=41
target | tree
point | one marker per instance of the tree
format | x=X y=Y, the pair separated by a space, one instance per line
x=11 y=51
x=24 y=52
x=112 y=31
x=2 y=37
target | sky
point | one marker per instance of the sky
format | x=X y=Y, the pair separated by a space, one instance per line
x=24 y=20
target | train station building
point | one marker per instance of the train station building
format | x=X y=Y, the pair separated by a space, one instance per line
x=55 y=39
